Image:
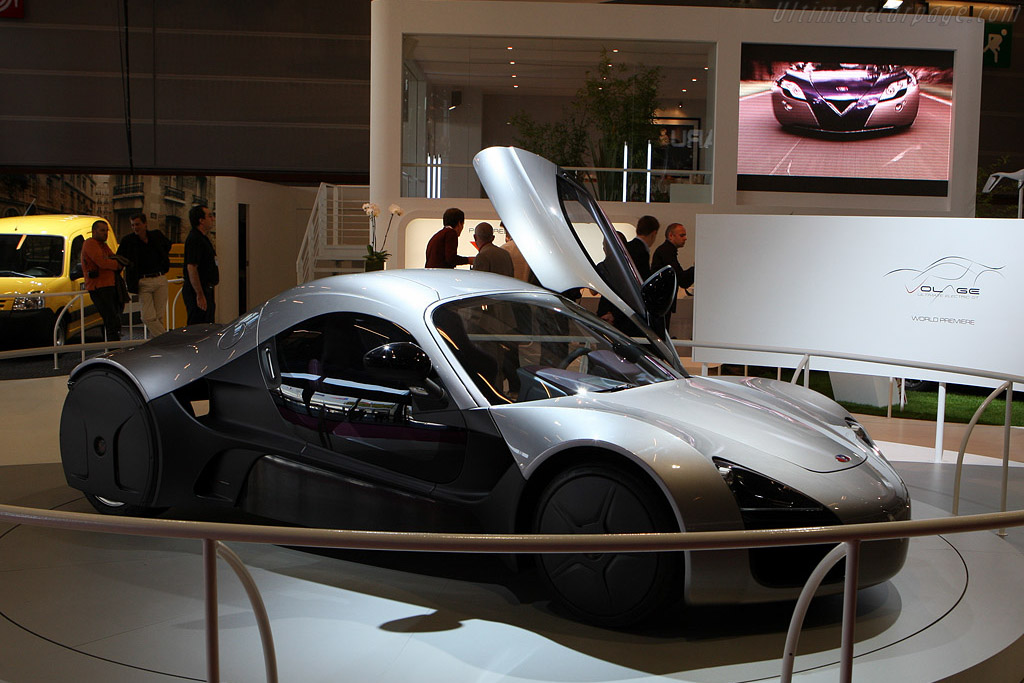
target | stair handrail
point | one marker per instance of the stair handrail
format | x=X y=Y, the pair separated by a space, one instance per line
x=313 y=239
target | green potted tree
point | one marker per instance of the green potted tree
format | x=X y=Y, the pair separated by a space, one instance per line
x=614 y=108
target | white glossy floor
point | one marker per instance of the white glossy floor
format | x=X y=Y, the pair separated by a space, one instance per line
x=84 y=607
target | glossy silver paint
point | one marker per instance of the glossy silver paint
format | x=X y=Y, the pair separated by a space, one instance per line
x=673 y=429
x=181 y=356
x=522 y=188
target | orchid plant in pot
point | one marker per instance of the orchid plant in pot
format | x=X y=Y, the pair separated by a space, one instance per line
x=376 y=258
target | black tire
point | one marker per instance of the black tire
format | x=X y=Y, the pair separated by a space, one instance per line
x=119 y=509
x=613 y=590
x=919 y=385
x=108 y=443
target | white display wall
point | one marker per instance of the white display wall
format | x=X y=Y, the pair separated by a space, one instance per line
x=728 y=30
x=935 y=290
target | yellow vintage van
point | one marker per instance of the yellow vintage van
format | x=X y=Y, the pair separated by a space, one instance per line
x=39 y=255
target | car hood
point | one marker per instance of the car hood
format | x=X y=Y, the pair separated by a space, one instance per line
x=21 y=285
x=771 y=418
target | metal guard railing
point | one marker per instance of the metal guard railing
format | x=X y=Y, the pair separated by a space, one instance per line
x=82 y=347
x=214 y=533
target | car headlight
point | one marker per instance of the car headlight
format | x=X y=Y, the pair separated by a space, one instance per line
x=894 y=89
x=792 y=89
x=28 y=303
x=768 y=504
x=862 y=435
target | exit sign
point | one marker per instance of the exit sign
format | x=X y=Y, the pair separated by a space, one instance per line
x=998 y=47
x=12 y=9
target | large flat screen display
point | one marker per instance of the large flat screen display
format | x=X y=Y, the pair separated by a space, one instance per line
x=845 y=120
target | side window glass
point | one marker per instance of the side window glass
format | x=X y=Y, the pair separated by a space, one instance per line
x=76 y=257
x=324 y=384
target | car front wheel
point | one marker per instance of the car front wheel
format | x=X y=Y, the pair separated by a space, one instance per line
x=607 y=589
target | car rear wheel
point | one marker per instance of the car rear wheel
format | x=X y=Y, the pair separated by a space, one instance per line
x=607 y=589
x=108 y=442
x=107 y=506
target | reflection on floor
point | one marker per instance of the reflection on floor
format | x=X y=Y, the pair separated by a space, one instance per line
x=96 y=607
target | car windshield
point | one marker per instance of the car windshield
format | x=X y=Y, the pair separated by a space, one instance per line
x=31 y=255
x=871 y=69
x=526 y=347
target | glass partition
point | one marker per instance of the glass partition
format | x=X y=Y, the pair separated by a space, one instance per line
x=630 y=118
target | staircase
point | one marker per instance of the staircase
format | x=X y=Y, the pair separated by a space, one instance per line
x=336 y=235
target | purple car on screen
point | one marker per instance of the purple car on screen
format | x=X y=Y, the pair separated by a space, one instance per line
x=839 y=97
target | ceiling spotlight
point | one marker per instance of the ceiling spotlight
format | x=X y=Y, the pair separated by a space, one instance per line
x=515 y=86
x=694 y=80
x=684 y=89
x=509 y=47
x=512 y=62
x=514 y=76
x=706 y=68
x=615 y=50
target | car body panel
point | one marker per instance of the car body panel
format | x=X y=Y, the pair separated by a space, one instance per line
x=523 y=188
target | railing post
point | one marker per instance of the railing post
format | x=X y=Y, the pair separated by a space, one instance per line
x=1007 y=421
x=796 y=622
x=174 y=305
x=212 y=634
x=805 y=365
x=849 y=611
x=81 y=320
x=258 y=608
x=1008 y=385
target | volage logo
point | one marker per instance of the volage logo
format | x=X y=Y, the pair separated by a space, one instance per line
x=951 y=276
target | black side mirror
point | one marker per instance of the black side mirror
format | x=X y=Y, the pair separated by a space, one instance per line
x=659 y=291
x=405 y=363
x=75 y=272
x=402 y=361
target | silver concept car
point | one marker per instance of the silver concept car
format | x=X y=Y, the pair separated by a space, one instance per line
x=443 y=400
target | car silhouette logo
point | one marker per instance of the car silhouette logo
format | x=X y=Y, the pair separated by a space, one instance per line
x=843 y=458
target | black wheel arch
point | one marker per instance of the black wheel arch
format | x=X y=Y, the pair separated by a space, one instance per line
x=577 y=457
x=104 y=423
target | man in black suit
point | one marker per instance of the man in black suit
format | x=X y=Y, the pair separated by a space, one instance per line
x=639 y=247
x=667 y=254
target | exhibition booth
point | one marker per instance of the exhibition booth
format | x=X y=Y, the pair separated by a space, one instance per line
x=807 y=232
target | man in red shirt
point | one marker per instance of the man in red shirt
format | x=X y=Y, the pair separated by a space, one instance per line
x=99 y=266
x=443 y=247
